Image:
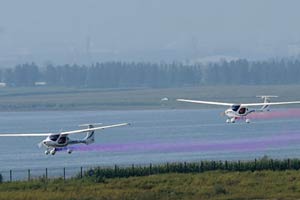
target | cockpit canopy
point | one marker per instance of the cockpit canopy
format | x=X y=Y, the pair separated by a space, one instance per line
x=54 y=137
x=239 y=109
x=60 y=139
x=235 y=107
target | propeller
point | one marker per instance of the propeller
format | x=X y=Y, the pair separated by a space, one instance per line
x=40 y=144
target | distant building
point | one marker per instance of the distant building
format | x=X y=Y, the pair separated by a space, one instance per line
x=40 y=83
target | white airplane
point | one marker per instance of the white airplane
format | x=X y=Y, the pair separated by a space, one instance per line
x=240 y=111
x=54 y=141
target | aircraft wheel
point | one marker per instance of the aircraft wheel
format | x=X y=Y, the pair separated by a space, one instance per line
x=52 y=152
x=69 y=151
x=248 y=121
x=228 y=121
x=47 y=152
x=232 y=120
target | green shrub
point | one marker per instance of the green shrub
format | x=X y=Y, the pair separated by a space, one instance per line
x=219 y=189
x=98 y=173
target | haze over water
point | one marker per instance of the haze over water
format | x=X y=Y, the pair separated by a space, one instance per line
x=67 y=31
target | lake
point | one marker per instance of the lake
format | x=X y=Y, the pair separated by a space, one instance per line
x=154 y=136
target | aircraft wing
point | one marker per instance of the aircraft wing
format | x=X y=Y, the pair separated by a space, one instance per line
x=93 y=129
x=206 y=102
x=25 y=134
x=271 y=103
x=62 y=133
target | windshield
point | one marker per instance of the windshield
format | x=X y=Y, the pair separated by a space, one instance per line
x=242 y=110
x=235 y=107
x=53 y=137
x=62 y=139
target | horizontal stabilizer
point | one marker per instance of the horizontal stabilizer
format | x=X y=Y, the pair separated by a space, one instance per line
x=266 y=96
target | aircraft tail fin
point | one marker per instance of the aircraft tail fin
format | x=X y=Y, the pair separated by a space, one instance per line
x=266 y=99
x=90 y=136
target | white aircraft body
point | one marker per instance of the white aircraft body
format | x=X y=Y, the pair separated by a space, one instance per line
x=240 y=111
x=54 y=141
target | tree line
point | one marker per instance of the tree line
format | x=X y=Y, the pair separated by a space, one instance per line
x=154 y=75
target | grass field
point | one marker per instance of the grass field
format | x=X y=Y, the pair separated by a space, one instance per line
x=207 y=185
x=45 y=98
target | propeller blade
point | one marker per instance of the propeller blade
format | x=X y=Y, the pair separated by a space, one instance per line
x=40 y=144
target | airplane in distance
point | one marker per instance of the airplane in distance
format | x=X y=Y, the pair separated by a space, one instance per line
x=241 y=111
x=54 y=141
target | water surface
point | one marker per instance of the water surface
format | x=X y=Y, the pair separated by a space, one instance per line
x=154 y=136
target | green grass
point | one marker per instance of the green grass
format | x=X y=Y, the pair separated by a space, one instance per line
x=45 y=98
x=207 y=185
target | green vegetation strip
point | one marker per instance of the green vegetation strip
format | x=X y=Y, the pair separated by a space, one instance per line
x=208 y=185
x=99 y=174
x=258 y=179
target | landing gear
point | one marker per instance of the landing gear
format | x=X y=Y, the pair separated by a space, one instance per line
x=230 y=120
x=247 y=121
x=69 y=151
x=52 y=152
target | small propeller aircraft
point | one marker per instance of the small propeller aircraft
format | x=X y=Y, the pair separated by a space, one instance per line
x=240 y=111
x=54 y=141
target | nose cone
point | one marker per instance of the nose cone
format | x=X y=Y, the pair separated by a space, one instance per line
x=46 y=142
x=228 y=112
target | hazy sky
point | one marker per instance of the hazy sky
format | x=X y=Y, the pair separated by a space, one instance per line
x=78 y=30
